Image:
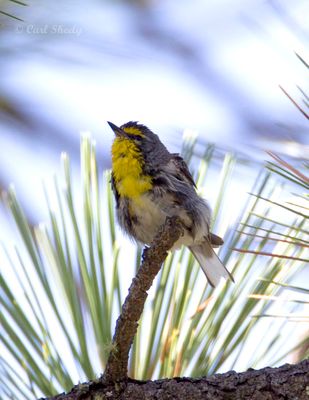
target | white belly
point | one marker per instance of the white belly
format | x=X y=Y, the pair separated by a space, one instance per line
x=151 y=216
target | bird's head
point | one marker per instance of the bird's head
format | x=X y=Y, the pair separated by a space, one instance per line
x=137 y=133
x=138 y=136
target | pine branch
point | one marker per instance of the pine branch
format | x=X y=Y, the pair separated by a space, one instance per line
x=126 y=326
x=285 y=382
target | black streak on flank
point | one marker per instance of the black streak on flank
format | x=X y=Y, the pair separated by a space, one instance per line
x=159 y=181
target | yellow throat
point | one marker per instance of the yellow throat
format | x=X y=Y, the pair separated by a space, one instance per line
x=127 y=164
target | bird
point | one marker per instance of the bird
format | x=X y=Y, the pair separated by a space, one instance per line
x=150 y=184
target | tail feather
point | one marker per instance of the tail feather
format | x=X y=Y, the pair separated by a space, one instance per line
x=215 y=240
x=210 y=263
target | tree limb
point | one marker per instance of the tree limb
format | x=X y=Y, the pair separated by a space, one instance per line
x=288 y=382
x=126 y=325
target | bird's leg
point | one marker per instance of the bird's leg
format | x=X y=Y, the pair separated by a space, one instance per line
x=144 y=253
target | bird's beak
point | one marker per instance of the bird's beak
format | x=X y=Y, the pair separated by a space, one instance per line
x=117 y=131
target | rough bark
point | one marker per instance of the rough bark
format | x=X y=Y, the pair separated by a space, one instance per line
x=127 y=323
x=286 y=382
x=289 y=382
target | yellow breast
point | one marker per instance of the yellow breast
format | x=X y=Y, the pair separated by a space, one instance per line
x=128 y=165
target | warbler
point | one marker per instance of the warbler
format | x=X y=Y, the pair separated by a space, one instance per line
x=150 y=184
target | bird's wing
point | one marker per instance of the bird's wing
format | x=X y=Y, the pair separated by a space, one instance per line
x=181 y=169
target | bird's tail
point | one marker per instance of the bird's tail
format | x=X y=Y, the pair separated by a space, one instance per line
x=210 y=263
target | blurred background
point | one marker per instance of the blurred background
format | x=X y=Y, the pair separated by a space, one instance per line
x=210 y=68
x=225 y=72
